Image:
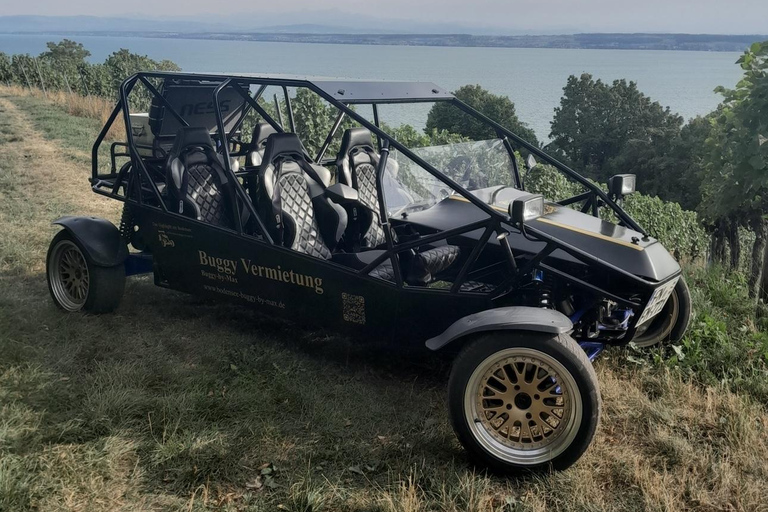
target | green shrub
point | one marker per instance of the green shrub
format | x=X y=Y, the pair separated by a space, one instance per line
x=722 y=345
x=679 y=230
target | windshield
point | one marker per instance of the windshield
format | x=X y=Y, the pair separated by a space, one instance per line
x=483 y=167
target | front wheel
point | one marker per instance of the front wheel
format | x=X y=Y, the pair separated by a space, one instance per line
x=673 y=320
x=524 y=401
x=76 y=283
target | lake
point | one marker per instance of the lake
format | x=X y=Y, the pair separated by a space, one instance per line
x=532 y=78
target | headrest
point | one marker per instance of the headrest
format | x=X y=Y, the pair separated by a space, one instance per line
x=283 y=144
x=260 y=134
x=355 y=137
x=191 y=136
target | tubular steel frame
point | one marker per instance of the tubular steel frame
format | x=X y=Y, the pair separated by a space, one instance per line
x=495 y=222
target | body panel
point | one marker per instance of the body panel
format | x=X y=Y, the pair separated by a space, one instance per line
x=519 y=318
x=196 y=258
x=612 y=243
x=100 y=238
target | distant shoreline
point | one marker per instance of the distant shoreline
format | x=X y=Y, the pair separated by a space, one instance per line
x=675 y=42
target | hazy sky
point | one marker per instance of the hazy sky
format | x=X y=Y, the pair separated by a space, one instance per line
x=537 y=16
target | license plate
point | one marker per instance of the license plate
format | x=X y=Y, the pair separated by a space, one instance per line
x=657 y=301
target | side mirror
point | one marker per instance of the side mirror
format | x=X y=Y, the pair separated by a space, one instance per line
x=526 y=208
x=531 y=162
x=622 y=185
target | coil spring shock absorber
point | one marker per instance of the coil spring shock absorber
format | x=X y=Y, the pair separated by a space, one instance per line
x=128 y=231
x=126 y=223
x=544 y=281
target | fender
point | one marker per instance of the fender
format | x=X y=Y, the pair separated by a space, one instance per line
x=516 y=318
x=100 y=238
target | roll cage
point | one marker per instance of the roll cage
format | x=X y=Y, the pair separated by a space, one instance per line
x=343 y=95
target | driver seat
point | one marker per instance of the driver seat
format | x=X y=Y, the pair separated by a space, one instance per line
x=356 y=165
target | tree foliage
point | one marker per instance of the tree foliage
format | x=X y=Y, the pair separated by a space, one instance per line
x=411 y=138
x=737 y=150
x=736 y=174
x=602 y=129
x=64 y=66
x=67 y=54
x=444 y=116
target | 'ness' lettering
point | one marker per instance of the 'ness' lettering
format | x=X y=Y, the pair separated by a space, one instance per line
x=230 y=267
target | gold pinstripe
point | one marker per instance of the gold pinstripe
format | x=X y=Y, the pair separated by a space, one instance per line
x=566 y=226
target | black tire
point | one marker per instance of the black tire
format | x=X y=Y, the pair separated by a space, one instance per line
x=686 y=311
x=98 y=289
x=583 y=392
x=671 y=324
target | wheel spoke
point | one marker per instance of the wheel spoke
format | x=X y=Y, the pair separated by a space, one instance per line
x=495 y=409
x=494 y=385
x=504 y=424
x=518 y=371
x=68 y=275
x=523 y=404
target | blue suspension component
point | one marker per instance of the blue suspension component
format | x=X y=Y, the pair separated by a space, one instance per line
x=592 y=348
x=138 y=263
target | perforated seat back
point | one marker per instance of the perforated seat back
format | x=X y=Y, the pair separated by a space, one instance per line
x=197 y=183
x=356 y=165
x=292 y=199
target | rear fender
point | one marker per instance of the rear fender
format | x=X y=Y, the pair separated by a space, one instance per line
x=514 y=318
x=99 y=237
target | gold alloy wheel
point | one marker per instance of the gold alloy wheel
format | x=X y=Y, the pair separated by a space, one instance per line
x=523 y=406
x=69 y=277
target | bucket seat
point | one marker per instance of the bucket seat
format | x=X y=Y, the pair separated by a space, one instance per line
x=292 y=200
x=356 y=165
x=197 y=183
x=258 y=144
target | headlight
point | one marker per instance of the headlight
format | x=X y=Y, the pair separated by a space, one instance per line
x=622 y=185
x=526 y=208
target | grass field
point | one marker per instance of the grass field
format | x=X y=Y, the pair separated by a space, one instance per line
x=175 y=403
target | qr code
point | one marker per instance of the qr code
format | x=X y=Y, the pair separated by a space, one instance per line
x=354 y=308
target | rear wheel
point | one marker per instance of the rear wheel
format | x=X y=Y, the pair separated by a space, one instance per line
x=672 y=322
x=524 y=401
x=76 y=284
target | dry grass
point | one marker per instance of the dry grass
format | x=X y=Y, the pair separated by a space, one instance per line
x=174 y=403
x=33 y=164
x=89 y=107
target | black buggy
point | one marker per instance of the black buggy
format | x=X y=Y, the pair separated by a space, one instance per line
x=440 y=245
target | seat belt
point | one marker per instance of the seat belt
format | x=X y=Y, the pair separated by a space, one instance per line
x=184 y=181
x=277 y=204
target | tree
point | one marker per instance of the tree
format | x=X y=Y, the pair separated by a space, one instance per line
x=602 y=130
x=314 y=119
x=736 y=179
x=6 y=71
x=411 y=138
x=444 y=116
x=683 y=184
x=67 y=54
x=122 y=64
